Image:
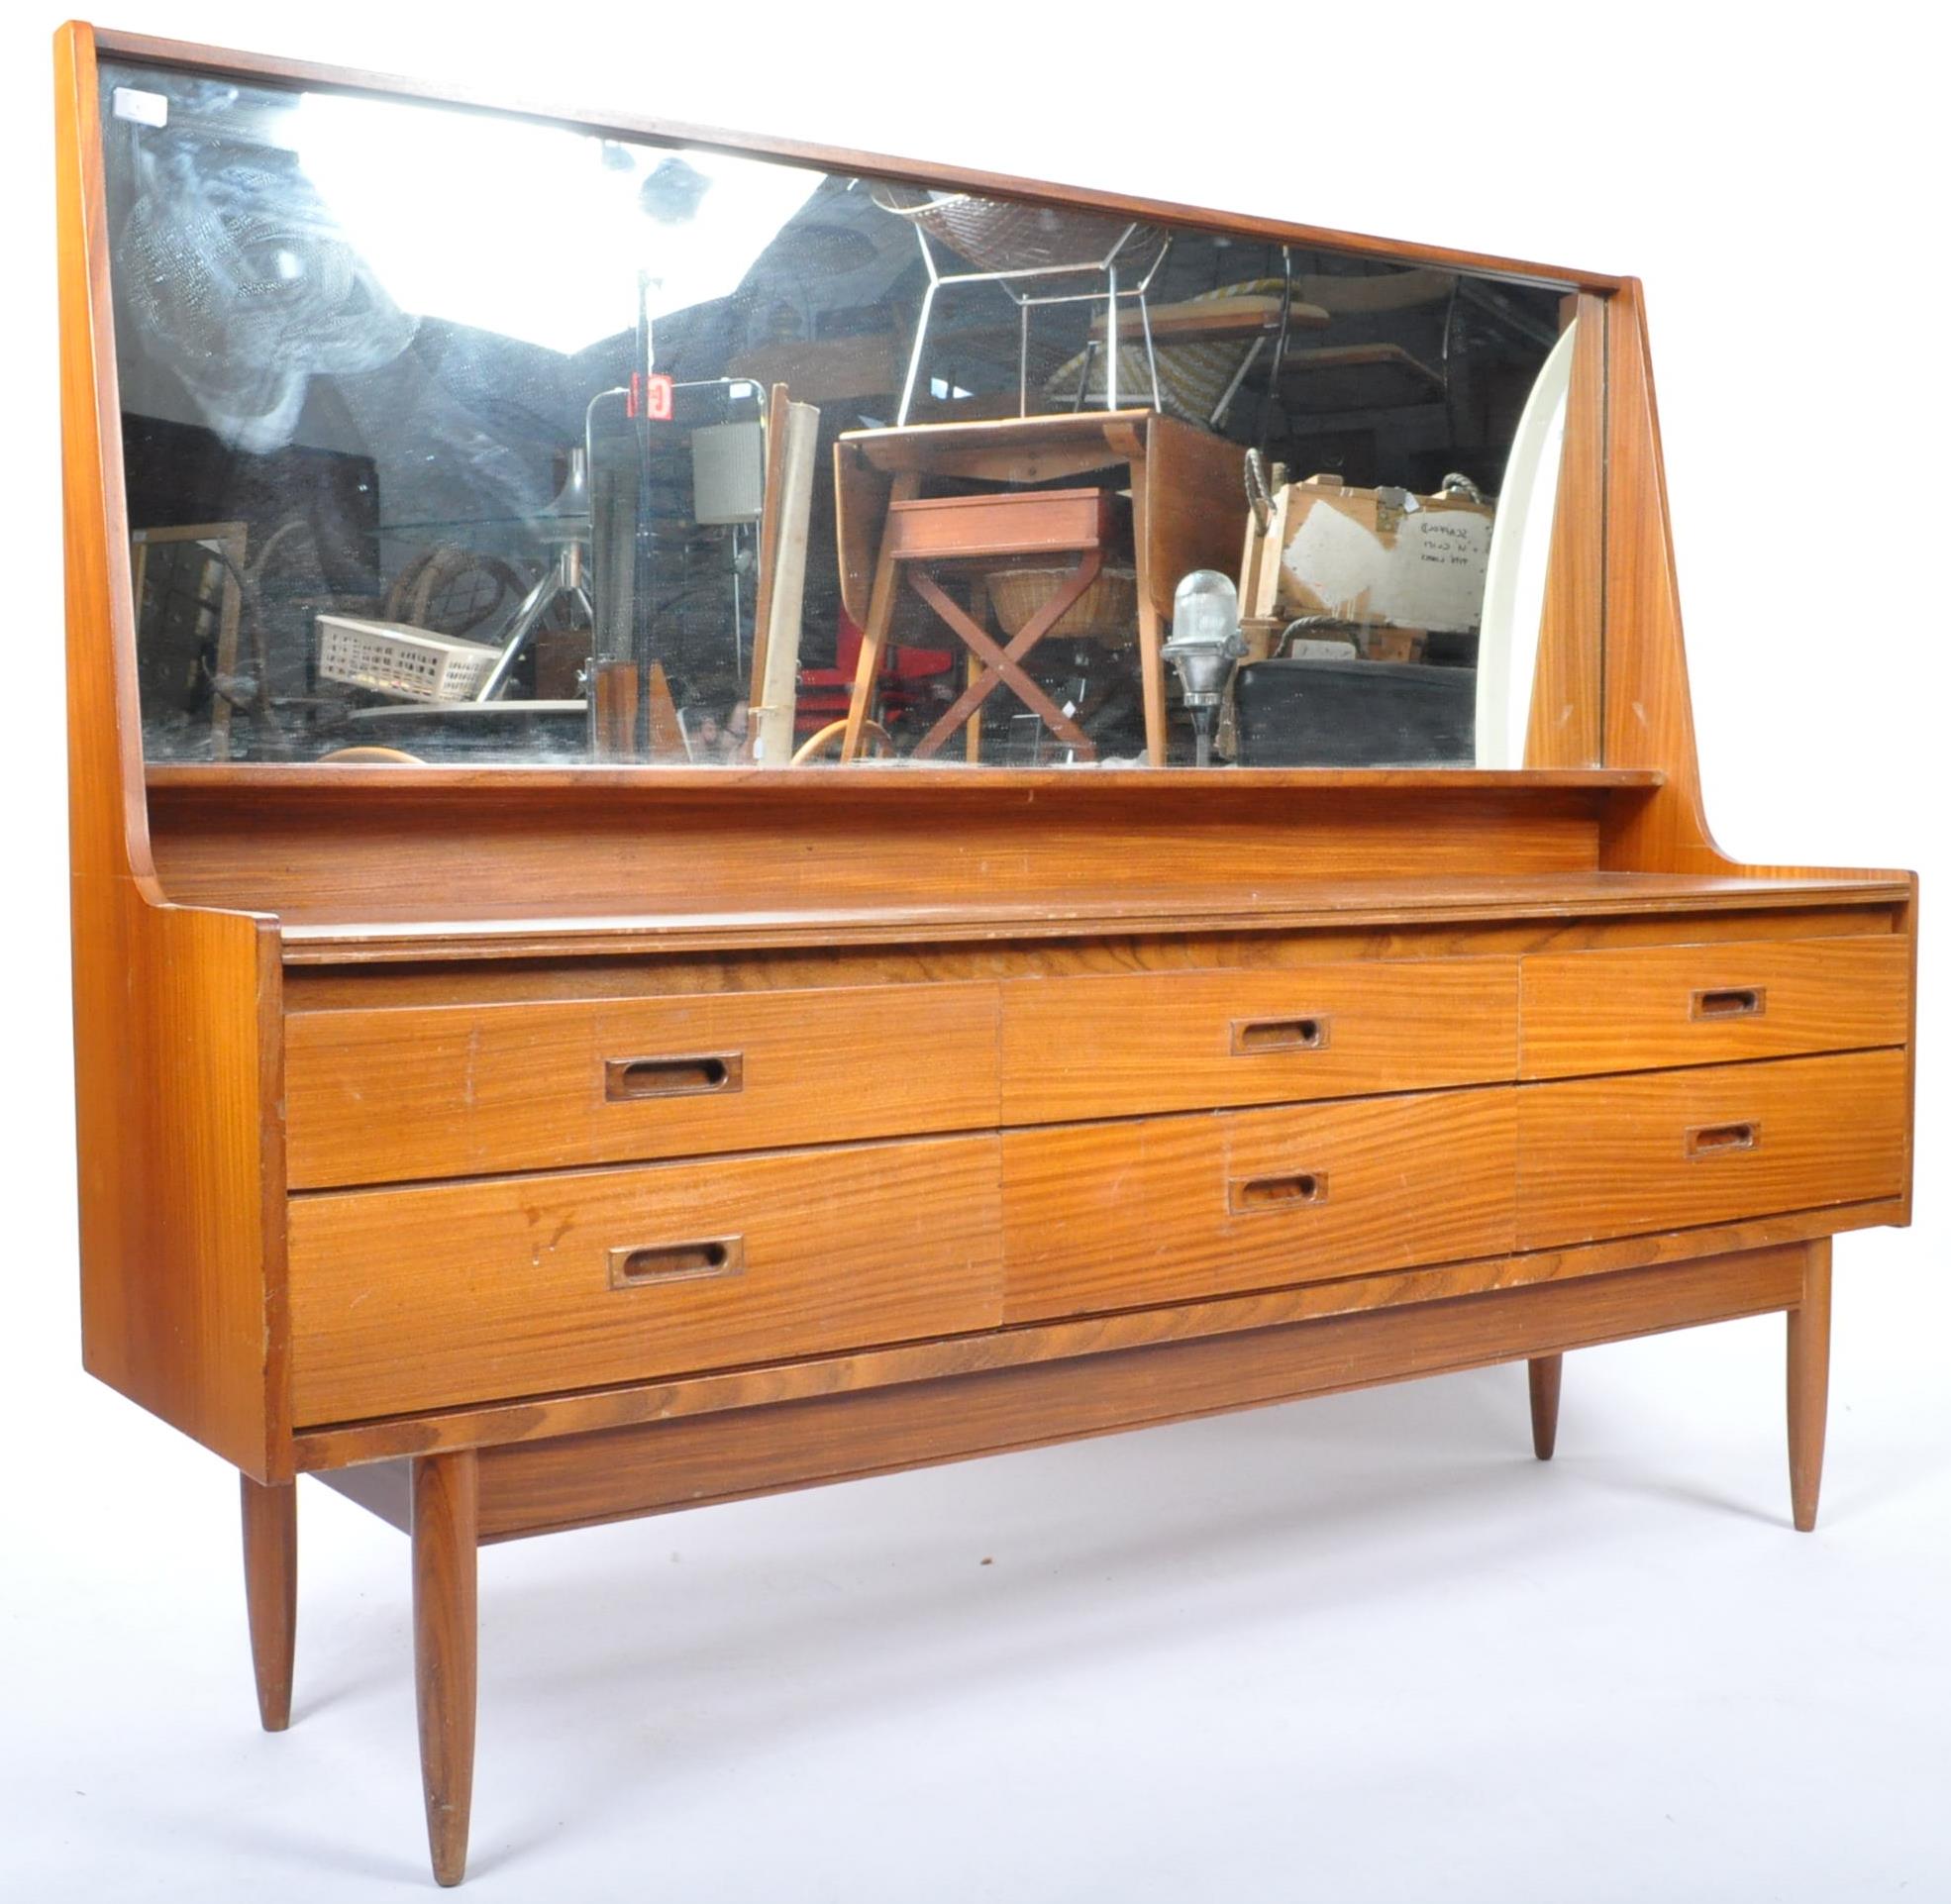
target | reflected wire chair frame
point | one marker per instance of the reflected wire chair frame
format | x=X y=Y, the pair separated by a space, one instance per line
x=567 y=527
x=1104 y=266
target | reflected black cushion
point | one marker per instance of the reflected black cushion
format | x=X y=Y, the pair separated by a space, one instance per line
x=1355 y=714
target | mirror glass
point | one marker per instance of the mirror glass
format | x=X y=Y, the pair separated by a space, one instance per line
x=454 y=437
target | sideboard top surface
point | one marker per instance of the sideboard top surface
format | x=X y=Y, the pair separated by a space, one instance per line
x=1330 y=904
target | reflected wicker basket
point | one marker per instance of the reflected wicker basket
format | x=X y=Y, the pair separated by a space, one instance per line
x=1106 y=612
x=1005 y=234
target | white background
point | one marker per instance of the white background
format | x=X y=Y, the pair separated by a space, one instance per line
x=1361 y=1649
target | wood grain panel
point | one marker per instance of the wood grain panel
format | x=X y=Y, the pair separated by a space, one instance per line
x=1010 y=786
x=177 y=1012
x=1656 y=1005
x=1648 y=705
x=361 y=986
x=1605 y=1156
x=578 y=1479
x=432 y=1295
x=107 y=811
x=180 y=1167
x=792 y=843
x=1112 y=1216
x=375 y=1096
x=1568 y=900
x=1081 y=1048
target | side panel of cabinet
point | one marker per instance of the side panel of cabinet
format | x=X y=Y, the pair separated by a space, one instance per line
x=180 y=1167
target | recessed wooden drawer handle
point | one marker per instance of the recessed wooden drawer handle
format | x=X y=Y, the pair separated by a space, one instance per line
x=1719 y=1139
x=1248 y=1195
x=1739 y=1001
x=626 y=1079
x=677 y=1261
x=1307 y=1032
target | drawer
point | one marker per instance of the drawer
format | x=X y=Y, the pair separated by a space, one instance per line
x=1161 y=1210
x=1617 y=1155
x=432 y=1295
x=466 y=1091
x=1646 y=1006
x=1105 y=1047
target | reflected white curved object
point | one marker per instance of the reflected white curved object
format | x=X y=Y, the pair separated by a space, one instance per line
x=1521 y=555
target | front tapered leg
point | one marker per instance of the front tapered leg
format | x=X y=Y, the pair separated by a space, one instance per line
x=445 y=1519
x=270 y=1592
x=1547 y=1374
x=1808 y=1384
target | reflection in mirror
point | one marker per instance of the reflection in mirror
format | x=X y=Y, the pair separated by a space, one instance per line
x=1519 y=562
x=475 y=438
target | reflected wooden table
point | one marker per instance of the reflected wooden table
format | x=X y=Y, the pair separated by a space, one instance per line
x=1187 y=511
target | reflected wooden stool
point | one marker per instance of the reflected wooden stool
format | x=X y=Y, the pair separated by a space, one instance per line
x=926 y=535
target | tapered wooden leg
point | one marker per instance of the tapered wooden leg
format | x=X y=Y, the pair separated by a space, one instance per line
x=1547 y=1372
x=270 y=1593
x=445 y=1501
x=1809 y=1385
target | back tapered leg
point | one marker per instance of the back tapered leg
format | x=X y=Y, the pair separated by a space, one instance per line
x=1547 y=1373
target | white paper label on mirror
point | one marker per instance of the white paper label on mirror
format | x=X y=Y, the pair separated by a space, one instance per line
x=140 y=108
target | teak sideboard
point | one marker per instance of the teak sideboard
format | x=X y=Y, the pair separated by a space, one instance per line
x=519 y=1149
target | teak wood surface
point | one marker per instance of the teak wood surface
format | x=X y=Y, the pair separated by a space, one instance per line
x=420 y=1296
x=599 y=1140
x=525 y=1086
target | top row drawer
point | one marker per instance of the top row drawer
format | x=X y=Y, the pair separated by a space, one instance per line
x=1646 y=1007
x=397 y=1093
x=466 y=1090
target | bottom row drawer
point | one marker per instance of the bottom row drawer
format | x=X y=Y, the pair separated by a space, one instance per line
x=1170 y=1209
x=442 y=1293
x=1611 y=1157
x=429 y=1296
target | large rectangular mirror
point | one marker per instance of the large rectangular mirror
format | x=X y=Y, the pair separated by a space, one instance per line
x=513 y=443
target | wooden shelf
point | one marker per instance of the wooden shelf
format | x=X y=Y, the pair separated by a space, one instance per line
x=871 y=781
